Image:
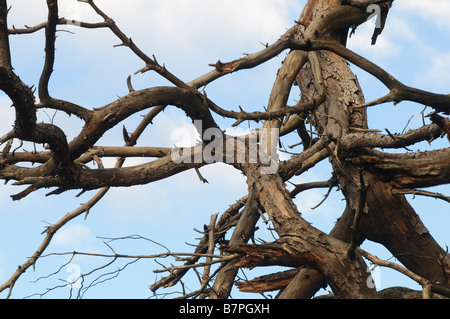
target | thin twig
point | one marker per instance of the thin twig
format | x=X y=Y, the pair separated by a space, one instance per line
x=420 y=192
x=211 y=245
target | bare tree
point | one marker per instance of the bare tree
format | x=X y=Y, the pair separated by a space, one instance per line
x=374 y=182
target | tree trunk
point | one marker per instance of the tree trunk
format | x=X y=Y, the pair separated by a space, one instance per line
x=384 y=218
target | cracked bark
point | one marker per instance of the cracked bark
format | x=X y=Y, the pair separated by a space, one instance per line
x=301 y=244
x=400 y=229
x=371 y=181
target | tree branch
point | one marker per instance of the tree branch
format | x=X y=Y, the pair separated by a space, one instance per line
x=428 y=169
x=420 y=280
x=420 y=192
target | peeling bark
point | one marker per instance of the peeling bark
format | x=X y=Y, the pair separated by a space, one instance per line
x=300 y=243
x=335 y=119
x=373 y=182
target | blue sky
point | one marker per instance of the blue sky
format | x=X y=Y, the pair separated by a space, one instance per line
x=89 y=71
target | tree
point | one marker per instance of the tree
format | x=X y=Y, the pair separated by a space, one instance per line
x=330 y=121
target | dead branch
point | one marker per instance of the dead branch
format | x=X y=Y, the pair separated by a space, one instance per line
x=426 y=284
x=428 y=169
x=270 y=282
x=421 y=192
x=331 y=102
x=51 y=231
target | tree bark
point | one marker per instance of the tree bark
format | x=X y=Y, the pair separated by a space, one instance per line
x=386 y=218
x=301 y=244
x=242 y=233
x=373 y=182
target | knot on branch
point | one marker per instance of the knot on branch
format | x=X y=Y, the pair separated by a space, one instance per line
x=442 y=122
x=225 y=67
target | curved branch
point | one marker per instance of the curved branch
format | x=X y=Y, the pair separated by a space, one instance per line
x=399 y=91
x=67 y=107
x=26 y=128
x=102 y=120
x=50 y=38
x=61 y=21
x=420 y=280
x=353 y=141
x=341 y=17
x=88 y=179
x=111 y=114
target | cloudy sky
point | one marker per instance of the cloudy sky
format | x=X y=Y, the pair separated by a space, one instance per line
x=186 y=37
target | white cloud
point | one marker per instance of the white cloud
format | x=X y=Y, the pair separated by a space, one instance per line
x=187 y=35
x=26 y=12
x=184 y=136
x=185 y=22
x=321 y=212
x=436 y=11
x=437 y=74
x=177 y=23
x=410 y=47
x=391 y=42
x=360 y=42
x=141 y=203
x=73 y=234
x=183 y=197
x=399 y=28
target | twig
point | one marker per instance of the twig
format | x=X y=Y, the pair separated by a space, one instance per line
x=425 y=283
x=84 y=208
x=227 y=220
x=324 y=198
x=358 y=214
x=420 y=192
x=407 y=123
x=220 y=259
x=306 y=186
x=211 y=245
x=200 y=176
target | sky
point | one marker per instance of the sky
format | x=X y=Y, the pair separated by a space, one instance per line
x=90 y=71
